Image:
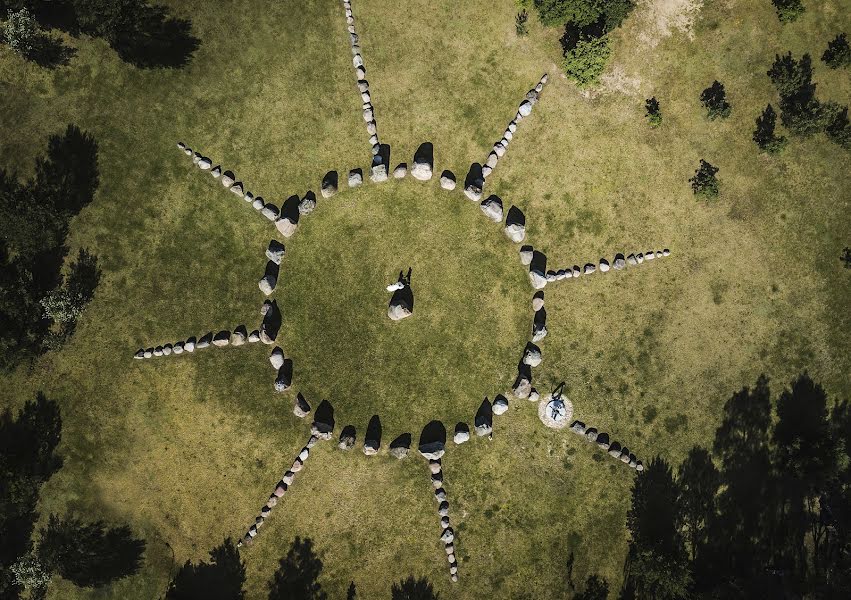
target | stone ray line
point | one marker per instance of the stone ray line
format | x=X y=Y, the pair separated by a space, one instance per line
x=229 y=182
x=613 y=448
x=475 y=181
x=362 y=83
x=539 y=276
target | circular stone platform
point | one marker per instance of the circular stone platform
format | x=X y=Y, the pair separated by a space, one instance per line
x=563 y=416
x=471 y=318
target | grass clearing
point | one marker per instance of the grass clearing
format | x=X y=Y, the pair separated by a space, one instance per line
x=185 y=451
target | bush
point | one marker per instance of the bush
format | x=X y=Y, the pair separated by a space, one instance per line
x=654 y=113
x=22 y=33
x=838 y=53
x=800 y=111
x=584 y=12
x=520 y=22
x=764 y=135
x=61 y=306
x=714 y=99
x=788 y=10
x=704 y=183
x=586 y=62
x=838 y=128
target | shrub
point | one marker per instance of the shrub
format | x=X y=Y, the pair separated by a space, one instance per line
x=22 y=33
x=586 y=62
x=788 y=10
x=800 y=111
x=583 y=12
x=838 y=128
x=764 y=135
x=838 y=53
x=29 y=573
x=704 y=183
x=520 y=22
x=654 y=113
x=846 y=257
x=714 y=99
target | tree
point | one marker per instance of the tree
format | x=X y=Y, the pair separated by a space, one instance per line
x=654 y=113
x=846 y=257
x=89 y=554
x=30 y=574
x=714 y=99
x=764 y=135
x=583 y=12
x=413 y=589
x=220 y=579
x=352 y=592
x=788 y=10
x=596 y=588
x=698 y=481
x=838 y=128
x=838 y=53
x=800 y=111
x=297 y=574
x=704 y=183
x=587 y=60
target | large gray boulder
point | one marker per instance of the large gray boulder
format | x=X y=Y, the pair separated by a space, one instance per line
x=276 y=358
x=400 y=171
x=423 y=165
x=347 y=438
x=269 y=280
x=239 y=336
x=222 y=338
x=355 y=178
x=275 y=252
x=500 y=404
x=462 y=433
x=526 y=254
x=532 y=355
x=447 y=180
x=492 y=207
x=307 y=204
x=329 y=184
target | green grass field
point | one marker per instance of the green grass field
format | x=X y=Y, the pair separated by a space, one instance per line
x=186 y=449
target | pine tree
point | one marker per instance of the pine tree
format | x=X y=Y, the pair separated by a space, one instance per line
x=714 y=99
x=838 y=53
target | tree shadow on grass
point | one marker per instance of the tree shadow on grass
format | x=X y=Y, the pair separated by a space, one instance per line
x=220 y=579
x=297 y=574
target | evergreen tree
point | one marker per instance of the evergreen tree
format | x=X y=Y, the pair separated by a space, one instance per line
x=704 y=183
x=89 y=554
x=838 y=53
x=838 y=128
x=800 y=111
x=764 y=135
x=714 y=99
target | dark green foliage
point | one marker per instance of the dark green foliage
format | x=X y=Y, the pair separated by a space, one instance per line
x=584 y=12
x=520 y=22
x=297 y=574
x=846 y=257
x=413 y=589
x=352 y=592
x=764 y=135
x=587 y=60
x=220 y=579
x=704 y=183
x=800 y=111
x=34 y=220
x=596 y=588
x=714 y=99
x=22 y=33
x=838 y=53
x=838 y=128
x=89 y=554
x=788 y=10
x=654 y=113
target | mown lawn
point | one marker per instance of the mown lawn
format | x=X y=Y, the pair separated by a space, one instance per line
x=186 y=449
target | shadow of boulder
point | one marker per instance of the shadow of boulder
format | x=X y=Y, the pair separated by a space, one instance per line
x=433 y=440
x=323 y=420
x=399 y=447
x=484 y=418
x=373 y=433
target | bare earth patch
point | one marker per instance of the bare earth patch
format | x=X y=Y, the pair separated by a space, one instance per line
x=658 y=19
